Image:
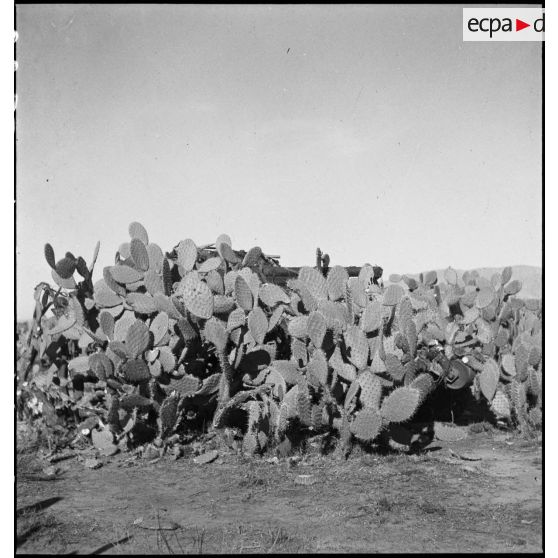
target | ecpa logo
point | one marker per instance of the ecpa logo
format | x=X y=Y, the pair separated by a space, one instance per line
x=503 y=24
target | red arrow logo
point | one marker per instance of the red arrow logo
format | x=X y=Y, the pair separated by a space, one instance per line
x=519 y=25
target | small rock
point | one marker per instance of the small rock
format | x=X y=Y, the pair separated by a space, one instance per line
x=61 y=457
x=156 y=524
x=294 y=460
x=50 y=471
x=306 y=479
x=93 y=463
x=207 y=457
x=177 y=452
x=123 y=444
x=173 y=440
x=187 y=450
x=103 y=440
x=150 y=452
x=465 y=456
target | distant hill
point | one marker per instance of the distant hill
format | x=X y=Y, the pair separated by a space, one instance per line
x=529 y=275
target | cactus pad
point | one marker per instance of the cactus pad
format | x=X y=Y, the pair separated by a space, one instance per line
x=136 y=371
x=196 y=295
x=371 y=318
x=125 y=274
x=112 y=284
x=430 y=278
x=257 y=324
x=134 y=400
x=211 y=264
x=139 y=255
x=289 y=370
x=513 y=287
x=271 y=295
x=425 y=384
x=153 y=282
x=156 y=256
x=167 y=359
x=216 y=333
x=447 y=433
x=535 y=356
x=214 y=281
x=101 y=366
x=66 y=267
x=501 y=405
x=351 y=395
x=210 y=385
x=485 y=297
x=366 y=274
x=167 y=415
x=394 y=367
x=106 y=321
x=450 y=276
x=159 y=327
x=534 y=381
x=243 y=294
x=137 y=338
x=104 y=296
x=314 y=281
x=488 y=379
x=401 y=404
x=309 y=301
x=222 y=304
x=392 y=295
x=356 y=342
x=316 y=327
x=298 y=327
x=227 y=253
x=137 y=230
x=252 y=257
x=299 y=351
x=336 y=282
x=142 y=303
x=317 y=368
x=370 y=389
x=404 y=313
x=187 y=254
x=156 y=369
x=304 y=407
x=237 y=318
x=49 y=256
x=185 y=386
x=367 y=425
x=275 y=317
x=508 y=364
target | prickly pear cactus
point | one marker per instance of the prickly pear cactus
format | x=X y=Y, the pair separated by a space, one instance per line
x=168 y=344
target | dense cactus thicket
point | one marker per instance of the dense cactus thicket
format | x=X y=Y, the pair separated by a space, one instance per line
x=167 y=345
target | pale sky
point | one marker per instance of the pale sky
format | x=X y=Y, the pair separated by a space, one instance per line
x=373 y=132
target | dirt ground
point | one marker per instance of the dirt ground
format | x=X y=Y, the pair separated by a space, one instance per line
x=482 y=494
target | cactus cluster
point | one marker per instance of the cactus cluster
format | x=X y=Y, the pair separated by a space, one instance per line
x=168 y=342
